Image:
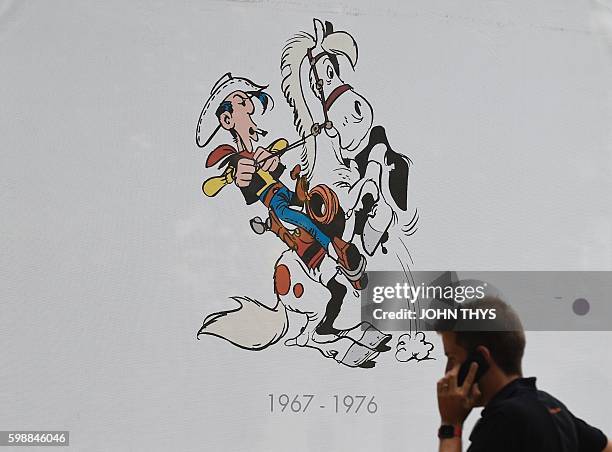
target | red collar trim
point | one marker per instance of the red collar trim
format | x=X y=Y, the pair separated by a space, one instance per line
x=219 y=153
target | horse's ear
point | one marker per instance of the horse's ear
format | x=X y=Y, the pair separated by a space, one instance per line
x=329 y=28
x=341 y=43
x=319 y=31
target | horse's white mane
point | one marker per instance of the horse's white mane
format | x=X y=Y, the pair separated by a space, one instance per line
x=294 y=53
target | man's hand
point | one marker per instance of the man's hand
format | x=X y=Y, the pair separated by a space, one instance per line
x=244 y=172
x=271 y=163
x=456 y=402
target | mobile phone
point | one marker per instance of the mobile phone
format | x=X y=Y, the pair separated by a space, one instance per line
x=473 y=357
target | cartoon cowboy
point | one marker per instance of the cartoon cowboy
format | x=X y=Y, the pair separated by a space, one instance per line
x=257 y=171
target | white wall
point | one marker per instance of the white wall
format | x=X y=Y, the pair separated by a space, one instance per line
x=111 y=255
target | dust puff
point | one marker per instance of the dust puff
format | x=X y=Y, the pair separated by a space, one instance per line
x=413 y=347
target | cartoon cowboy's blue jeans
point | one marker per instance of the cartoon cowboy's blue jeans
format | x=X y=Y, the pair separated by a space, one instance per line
x=280 y=204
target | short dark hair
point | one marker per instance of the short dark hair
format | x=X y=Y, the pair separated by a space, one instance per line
x=263 y=97
x=224 y=106
x=505 y=341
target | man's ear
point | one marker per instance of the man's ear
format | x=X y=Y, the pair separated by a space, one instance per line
x=226 y=120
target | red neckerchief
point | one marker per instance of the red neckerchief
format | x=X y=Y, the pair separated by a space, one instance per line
x=222 y=151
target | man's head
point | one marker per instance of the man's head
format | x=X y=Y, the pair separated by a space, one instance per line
x=236 y=111
x=229 y=106
x=503 y=350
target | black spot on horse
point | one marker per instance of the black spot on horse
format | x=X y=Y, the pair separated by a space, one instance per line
x=398 y=176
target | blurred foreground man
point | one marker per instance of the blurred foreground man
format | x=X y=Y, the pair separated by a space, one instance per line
x=517 y=416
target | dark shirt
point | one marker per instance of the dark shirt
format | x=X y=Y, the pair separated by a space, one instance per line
x=522 y=418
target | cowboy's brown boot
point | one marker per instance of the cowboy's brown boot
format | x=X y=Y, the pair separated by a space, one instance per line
x=301 y=185
x=351 y=261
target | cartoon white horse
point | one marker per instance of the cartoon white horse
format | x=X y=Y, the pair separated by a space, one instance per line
x=364 y=179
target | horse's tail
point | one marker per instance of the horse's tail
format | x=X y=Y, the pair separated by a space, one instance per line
x=252 y=325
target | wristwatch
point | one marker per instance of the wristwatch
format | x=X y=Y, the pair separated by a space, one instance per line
x=449 y=431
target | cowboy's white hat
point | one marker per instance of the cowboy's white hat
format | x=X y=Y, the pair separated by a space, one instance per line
x=208 y=124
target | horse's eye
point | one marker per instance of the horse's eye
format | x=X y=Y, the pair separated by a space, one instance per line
x=330 y=72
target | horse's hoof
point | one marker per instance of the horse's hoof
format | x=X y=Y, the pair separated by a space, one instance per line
x=373 y=338
x=358 y=354
x=367 y=364
x=323 y=338
x=382 y=348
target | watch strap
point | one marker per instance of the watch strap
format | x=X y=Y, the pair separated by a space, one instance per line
x=449 y=431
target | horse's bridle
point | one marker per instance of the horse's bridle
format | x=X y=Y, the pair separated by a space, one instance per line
x=333 y=96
